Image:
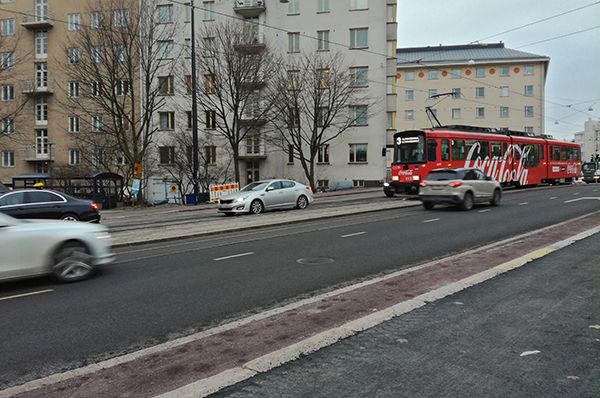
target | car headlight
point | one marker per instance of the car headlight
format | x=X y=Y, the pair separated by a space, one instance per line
x=240 y=200
x=386 y=184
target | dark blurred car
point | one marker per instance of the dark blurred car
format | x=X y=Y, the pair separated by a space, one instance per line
x=48 y=204
x=3 y=188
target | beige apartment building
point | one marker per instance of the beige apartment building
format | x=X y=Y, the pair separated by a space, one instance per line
x=487 y=85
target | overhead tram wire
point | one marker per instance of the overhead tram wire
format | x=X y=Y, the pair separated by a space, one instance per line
x=559 y=37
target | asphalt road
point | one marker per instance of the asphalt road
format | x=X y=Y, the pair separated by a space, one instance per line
x=157 y=292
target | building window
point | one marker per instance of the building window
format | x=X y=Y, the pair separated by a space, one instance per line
x=359 y=38
x=324 y=76
x=322 y=5
x=41 y=44
x=391 y=49
x=391 y=85
x=74 y=55
x=529 y=91
x=121 y=53
x=455 y=113
x=528 y=129
x=359 y=4
x=167 y=120
x=8 y=159
x=97 y=123
x=209 y=83
x=456 y=93
x=97 y=157
x=7 y=92
x=74 y=157
x=293 y=117
x=293 y=79
x=41 y=110
x=409 y=95
x=322 y=116
x=479 y=92
x=210 y=154
x=74 y=20
x=165 y=85
x=7 y=126
x=359 y=114
x=164 y=49
x=432 y=75
x=322 y=185
x=456 y=73
x=96 y=20
x=74 y=89
x=293 y=7
x=480 y=113
x=95 y=88
x=409 y=114
x=504 y=71
x=190 y=119
x=357 y=153
x=290 y=152
x=323 y=154
x=528 y=111
x=528 y=70
x=323 y=40
x=293 y=42
x=188 y=84
x=7 y=60
x=210 y=119
x=209 y=10
x=120 y=18
x=7 y=27
x=358 y=183
x=479 y=72
x=41 y=142
x=122 y=87
x=165 y=13
x=504 y=111
x=431 y=92
x=96 y=55
x=188 y=12
x=391 y=13
x=166 y=154
x=73 y=124
x=360 y=76
x=391 y=120
x=504 y=91
x=409 y=76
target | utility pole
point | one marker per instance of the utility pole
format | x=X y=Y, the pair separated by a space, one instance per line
x=194 y=108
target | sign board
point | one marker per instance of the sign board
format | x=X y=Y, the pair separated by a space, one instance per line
x=135 y=187
x=173 y=188
x=138 y=169
x=219 y=191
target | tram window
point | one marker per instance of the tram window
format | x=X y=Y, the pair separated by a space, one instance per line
x=496 y=150
x=469 y=145
x=445 y=150
x=532 y=155
x=564 y=153
x=555 y=153
x=504 y=147
x=431 y=149
x=541 y=151
x=484 y=150
x=517 y=151
x=458 y=150
x=576 y=154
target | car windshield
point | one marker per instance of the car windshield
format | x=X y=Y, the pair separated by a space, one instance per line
x=588 y=167
x=444 y=175
x=255 y=186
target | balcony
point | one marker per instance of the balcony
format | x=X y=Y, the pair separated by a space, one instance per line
x=34 y=88
x=254 y=84
x=250 y=43
x=37 y=21
x=30 y=153
x=249 y=8
x=252 y=117
x=253 y=150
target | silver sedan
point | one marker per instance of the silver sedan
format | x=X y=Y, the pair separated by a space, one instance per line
x=267 y=195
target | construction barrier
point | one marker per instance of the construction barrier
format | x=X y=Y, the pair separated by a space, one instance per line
x=219 y=191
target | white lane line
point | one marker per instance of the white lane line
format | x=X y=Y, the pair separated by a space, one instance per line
x=583 y=198
x=233 y=256
x=432 y=220
x=485 y=210
x=26 y=294
x=553 y=197
x=523 y=204
x=575 y=193
x=354 y=234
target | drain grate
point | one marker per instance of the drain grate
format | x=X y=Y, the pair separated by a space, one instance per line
x=315 y=260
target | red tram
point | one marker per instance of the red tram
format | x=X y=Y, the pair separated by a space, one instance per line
x=510 y=157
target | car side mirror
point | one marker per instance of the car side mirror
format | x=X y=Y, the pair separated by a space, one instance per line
x=488 y=178
x=269 y=189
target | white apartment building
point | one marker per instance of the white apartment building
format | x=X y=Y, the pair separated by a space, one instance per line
x=363 y=30
x=589 y=139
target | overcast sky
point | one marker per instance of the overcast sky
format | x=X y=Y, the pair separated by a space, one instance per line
x=573 y=81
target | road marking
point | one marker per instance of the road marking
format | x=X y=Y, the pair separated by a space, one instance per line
x=485 y=210
x=26 y=294
x=583 y=198
x=575 y=193
x=233 y=256
x=432 y=220
x=354 y=234
x=524 y=203
x=553 y=197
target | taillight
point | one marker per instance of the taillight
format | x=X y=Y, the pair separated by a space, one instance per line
x=455 y=184
x=422 y=184
x=309 y=188
x=94 y=206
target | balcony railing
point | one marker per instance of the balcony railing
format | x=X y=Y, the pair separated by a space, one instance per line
x=249 y=8
x=250 y=43
x=36 y=21
x=35 y=87
x=30 y=153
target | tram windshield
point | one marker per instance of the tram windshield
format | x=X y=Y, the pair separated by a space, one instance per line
x=409 y=148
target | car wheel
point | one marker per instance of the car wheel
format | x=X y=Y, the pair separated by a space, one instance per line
x=72 y=262
x=256 y=207
x=428 y=205
x=69 y=217
x=302 y=202
x=467 y=203
x=496 y=197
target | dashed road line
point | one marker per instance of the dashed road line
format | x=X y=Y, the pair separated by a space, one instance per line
x=485 y=210
x=26 y=294
x=233 y=256
x=553 y=197
x=523 y=203
x=575 y=193
x=582 y=198
x=354 y=234
x=432 y=220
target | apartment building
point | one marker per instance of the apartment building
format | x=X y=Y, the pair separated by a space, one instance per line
x=363 y=30
x=589 y=139
x=485 y=85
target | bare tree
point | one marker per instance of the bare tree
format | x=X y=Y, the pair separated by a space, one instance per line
x=317 y=99
x=233 y=64
x=116 y=62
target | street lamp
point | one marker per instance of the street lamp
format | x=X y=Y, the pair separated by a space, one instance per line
x=194 y=110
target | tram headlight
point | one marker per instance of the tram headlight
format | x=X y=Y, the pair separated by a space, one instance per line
x=416 y=178
x=395 y=178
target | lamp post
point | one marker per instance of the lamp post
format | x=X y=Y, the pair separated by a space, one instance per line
x=194 y=109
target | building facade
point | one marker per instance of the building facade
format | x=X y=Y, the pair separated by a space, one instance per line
x=589 y=139
x=485 y=85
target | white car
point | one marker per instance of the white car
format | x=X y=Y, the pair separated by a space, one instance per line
x=67 y=250
x=267 y=195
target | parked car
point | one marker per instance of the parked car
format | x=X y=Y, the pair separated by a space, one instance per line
x=267 y=195
x=69 y=251
x=3 y=188
x=48 y=204
x=462 y=187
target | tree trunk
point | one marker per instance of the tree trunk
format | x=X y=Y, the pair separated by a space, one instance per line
x=236 y=163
